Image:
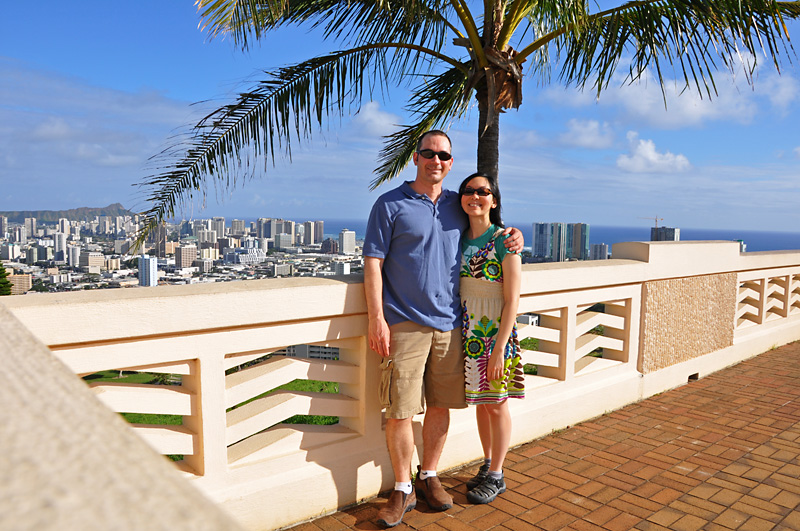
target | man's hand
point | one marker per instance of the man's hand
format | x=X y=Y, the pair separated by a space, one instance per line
x=379 y=336
x=515 y=241
x=378 y=329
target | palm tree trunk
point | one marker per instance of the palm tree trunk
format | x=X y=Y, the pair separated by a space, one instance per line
x=488 y=141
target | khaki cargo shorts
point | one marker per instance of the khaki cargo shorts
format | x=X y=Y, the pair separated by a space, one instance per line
x=426 y=366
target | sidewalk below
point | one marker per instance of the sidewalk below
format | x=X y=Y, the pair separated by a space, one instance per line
x=720 y=453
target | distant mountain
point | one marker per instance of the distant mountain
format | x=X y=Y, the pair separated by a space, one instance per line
x=74 y=214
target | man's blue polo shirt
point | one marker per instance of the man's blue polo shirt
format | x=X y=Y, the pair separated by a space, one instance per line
x=419 y=242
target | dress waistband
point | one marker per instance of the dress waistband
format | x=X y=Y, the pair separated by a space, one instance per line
x=475 y=287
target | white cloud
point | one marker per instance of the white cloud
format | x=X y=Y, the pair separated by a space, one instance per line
x=375 y=122
x=53 y=129
x=588 y=134
x=645 y=159
x=735 y=101
x=780 y=89
x=797 y=151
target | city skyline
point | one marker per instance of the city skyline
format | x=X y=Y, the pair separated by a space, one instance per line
x=102 y=87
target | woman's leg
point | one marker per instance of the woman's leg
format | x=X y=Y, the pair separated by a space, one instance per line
x=500 y=422
x=484 y=429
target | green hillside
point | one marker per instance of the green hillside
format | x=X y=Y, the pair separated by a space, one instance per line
x=74 y=214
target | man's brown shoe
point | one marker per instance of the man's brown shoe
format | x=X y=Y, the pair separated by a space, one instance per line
x=431 y=492
x=399 y=504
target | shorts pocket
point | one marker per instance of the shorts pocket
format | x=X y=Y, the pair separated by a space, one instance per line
x=385 y=384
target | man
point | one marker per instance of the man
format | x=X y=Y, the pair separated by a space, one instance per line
x=412 y=257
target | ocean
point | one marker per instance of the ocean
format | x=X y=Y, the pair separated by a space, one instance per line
x=755 y=240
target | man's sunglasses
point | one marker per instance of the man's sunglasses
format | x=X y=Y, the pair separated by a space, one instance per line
x=444 y=156
x=483 y=192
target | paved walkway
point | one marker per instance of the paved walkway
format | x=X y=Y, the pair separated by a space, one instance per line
x=719 y=453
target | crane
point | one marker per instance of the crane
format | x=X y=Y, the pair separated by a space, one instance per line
x=656 y=219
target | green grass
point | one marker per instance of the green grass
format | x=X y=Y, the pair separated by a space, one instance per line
x=530 y=343
x=132 y=377
x=312 y=386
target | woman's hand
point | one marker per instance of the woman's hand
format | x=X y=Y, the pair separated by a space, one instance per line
x=496 y=366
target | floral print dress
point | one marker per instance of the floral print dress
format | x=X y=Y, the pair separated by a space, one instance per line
x=482 y=307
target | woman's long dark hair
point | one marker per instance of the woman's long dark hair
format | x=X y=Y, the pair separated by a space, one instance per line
x=494 y=214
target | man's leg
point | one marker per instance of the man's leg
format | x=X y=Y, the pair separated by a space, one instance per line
x=410 y=344
x=400 y=441
x=434 y=435
x=444 y=389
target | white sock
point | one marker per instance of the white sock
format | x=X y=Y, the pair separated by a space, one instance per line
x=425 y=474
x=404 y=486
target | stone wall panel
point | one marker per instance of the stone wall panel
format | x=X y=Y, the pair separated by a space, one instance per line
x=684 y=318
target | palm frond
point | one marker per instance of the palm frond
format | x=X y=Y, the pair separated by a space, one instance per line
x=260 y=124
x=436 y=101
x=542 y=19
x=690 y=36
x=350 y=22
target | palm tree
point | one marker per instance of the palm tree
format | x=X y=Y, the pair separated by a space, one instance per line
x=384 y=43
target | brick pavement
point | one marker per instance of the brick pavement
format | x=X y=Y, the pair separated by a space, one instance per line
x=720 y=454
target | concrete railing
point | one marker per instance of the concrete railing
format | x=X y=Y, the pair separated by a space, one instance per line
x=662 y=313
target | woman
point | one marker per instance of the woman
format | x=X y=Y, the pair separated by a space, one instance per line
x=490 y=283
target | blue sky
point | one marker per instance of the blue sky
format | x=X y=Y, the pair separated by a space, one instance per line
x=90 y=90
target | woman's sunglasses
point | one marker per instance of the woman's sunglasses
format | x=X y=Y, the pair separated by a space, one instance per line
x=429 y=153
x=483 y=192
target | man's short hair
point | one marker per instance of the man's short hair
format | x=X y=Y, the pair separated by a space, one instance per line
x=434 y=132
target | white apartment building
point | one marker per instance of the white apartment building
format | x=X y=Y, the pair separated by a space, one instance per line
x=10 y=251
x=218 y=226
x=60 y=246
x=73 y=255
x=148 y=271
x=347 y=242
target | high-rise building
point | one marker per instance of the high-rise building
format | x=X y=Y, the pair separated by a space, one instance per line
x=185 y=255
x=207 y=236
x=104 y=226
x=287 y=227
x=665 y=234
x=599 y=251
x=330 y=246
x=10 y=251
x=549 y=242
x=148 y=271
x=122 y=246
x=319 y=234
x=30 y=227
x=198 y=225
x=3 y=226
x=308 y=233
x=266 y=228
x=577 y=241
x=218 y=225
x=63 y=225
x=284 y=241
x=73 y=255
x=238 y=227
x=91 y=259
x=20 y=234
x=160 y=240
x=347 y=242
x=60 y=246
